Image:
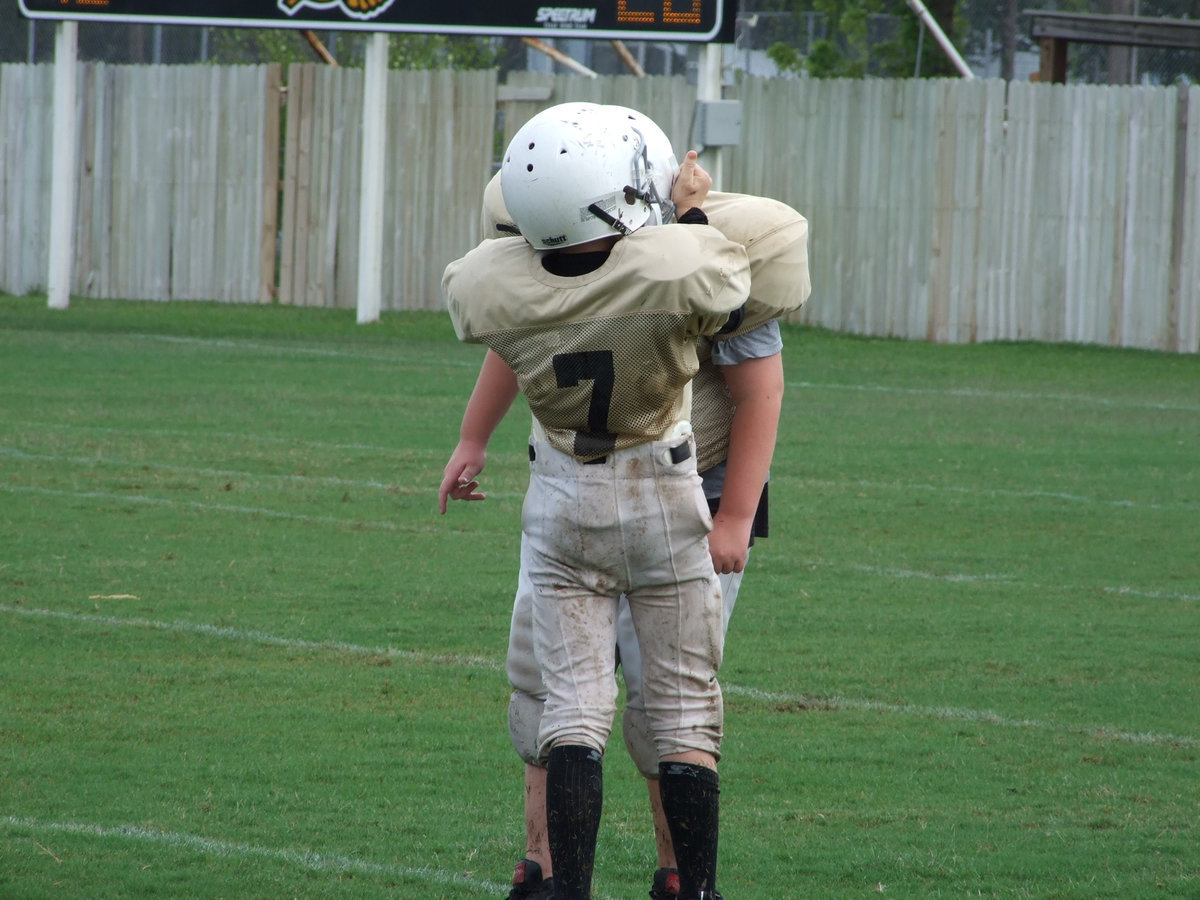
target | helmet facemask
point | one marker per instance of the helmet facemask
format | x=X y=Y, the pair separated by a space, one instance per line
x=658 y=164
x=646 y=187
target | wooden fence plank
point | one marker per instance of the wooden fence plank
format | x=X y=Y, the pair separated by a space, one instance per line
x=272 y=102
x=1189 y=273
x=287 y=188
x=26 y=103
x=301 y=100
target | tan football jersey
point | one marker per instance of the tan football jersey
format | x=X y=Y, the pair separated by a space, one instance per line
x=604 y=359
x=776 y=240
x=712 y=410
x=775 y=237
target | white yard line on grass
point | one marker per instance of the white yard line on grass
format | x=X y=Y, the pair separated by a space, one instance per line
x=1034 y=494
x=261 y=511
x=310 y=860
x=387 y=525
x=996 y=395
x=261 y=637
x=14 y=453
x=293 y=348
x=968 y=578
x=958 y=714
x=200 y=471
x=127 y=434
x=986 y=717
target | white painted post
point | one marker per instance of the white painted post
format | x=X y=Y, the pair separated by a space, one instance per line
x=708 y=87
x=62 y=167
x=370 y=216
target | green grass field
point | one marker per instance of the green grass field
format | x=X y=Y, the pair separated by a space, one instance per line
x=241 y=655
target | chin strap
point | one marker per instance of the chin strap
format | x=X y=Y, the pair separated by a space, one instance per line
x=607 y=218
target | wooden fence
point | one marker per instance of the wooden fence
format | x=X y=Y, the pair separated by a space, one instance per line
x=175 y=188
x=439 y=147
x=973 y=211
x=941 y=210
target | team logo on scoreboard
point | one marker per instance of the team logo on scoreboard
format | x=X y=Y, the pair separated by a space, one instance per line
x=355 y=9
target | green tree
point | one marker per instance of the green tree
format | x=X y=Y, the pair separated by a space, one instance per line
x=239 y=46
x=405 y=51
x=849 y=49
x=438 y=51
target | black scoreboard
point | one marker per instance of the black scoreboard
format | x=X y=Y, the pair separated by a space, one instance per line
x=639 y=20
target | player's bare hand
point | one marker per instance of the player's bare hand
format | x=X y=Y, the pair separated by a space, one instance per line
x=729 y=544
x=459 y=476
x=691 y=185
x=463 y=490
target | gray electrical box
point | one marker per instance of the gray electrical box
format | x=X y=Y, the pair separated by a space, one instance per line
x=718 y=123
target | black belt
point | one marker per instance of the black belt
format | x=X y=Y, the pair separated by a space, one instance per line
x=679 y=453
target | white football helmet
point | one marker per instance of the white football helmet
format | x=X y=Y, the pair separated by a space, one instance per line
x=574 y=173
x=660 y=162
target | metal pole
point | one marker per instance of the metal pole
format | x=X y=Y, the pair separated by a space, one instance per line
x=708 y=87
x=321 y=50
x=940 y=36
x=626 y=57
x=920 y=48
x=558 y=56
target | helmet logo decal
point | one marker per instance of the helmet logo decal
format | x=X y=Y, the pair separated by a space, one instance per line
x=355 y=9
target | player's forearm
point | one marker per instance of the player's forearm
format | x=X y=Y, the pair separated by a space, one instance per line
x=493 y=396
x=757 y=389
x=751 y=448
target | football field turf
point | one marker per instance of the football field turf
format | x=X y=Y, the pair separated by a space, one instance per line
x=242 y=656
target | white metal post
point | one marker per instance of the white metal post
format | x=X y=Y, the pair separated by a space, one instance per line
x=62 y=167
x=374 y=144
x=708 y=87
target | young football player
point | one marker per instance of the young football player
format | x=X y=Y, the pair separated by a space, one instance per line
x=737 y=397
x=597 y=318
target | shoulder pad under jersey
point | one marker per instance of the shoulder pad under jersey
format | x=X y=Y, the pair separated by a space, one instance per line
x=487 y=285
x=691 y=271
x=776 y=240
x=494 y=218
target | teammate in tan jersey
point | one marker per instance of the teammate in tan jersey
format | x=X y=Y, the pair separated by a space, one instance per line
x=736 y=395
x=614 y=505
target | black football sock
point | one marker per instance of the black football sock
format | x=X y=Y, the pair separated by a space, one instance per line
x=574 y=797
x=690 y=799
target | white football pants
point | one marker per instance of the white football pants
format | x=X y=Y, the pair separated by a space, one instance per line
x=637 y=525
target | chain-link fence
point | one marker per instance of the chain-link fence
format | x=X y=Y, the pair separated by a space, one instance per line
x=979 y=29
